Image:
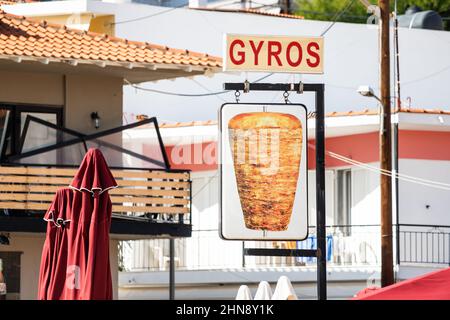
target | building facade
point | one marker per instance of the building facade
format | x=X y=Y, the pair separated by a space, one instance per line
x=209 y=267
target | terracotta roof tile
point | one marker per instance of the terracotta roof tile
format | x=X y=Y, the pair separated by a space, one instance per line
x=10 y=2
x=331 y=114
x=21 y=36
x=252 y=11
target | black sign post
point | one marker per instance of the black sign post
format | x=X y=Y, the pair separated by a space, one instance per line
x=320 y=252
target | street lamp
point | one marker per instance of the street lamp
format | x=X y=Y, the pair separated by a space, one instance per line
x=367 y=91
x=387 y=276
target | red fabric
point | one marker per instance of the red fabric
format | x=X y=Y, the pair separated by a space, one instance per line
x=75 y=260
x=93 y=174
x=52 y=276
x=431 y=286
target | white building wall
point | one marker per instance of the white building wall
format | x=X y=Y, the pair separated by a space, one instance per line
x=414 y=198
x=329 y=196
x=365 y=196
x=205 y=248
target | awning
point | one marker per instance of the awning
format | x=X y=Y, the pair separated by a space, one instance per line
x=431 y=286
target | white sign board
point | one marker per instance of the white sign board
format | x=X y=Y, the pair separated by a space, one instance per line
x=273 y=54
x=263 y=172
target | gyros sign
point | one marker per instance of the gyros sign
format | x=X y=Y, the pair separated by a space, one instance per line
x=273 y=53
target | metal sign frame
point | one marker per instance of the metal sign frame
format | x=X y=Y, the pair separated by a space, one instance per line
x=320 y=252
x=300 y=105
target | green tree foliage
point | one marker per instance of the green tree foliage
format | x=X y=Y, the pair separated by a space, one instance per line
x=357 y=13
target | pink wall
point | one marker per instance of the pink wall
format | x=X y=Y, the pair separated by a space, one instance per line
x=427 y=145
x=361 y=147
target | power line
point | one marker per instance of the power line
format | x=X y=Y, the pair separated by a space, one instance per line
x=337 y=16
x=188 y=94
x=149 y=16
x=206 y=89
x=403 y=177
x=174 y=93
x=427 y=76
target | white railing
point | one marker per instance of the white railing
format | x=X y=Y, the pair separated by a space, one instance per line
x=346 y=246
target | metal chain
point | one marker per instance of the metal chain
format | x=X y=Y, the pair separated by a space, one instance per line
x=286 y=97
x=237 y=94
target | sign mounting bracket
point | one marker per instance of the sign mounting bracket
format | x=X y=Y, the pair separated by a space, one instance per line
x=319 y=90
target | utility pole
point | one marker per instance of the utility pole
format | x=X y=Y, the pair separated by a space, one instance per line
x=387 y=270
x=285 y=6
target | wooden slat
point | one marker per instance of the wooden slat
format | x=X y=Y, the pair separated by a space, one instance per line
x=151 y=174
x=146 y=209
x=27 y=188
x=24 y=205
x=149 y=192
x=31 y=188
x=155 y=174
x=46 y=197
x=38 y=171
x=116 y=199
x=66 y=181
x=116 y=191
x=35 y=179
x=161 y=184
x=27 y=196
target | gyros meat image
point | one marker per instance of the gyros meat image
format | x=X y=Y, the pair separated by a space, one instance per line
x=266 y=149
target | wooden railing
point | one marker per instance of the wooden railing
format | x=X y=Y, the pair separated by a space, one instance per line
x=139 y=192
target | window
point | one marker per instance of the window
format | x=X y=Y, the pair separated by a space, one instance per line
x=11 y=273
x=12 y=121
x=343 y=200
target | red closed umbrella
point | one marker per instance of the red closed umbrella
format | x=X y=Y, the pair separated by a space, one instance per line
x=53 y=268
x=75 y=261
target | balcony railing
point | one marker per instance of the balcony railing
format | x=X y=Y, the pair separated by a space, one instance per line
x=149 y=195
x=424 y=244
x=346 y=246
x=350 y=245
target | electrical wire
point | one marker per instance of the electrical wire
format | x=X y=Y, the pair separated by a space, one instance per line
x=210 y=179
x=149 y=16
x=211 y=93
x=206 y=89
x=337 y=16
x=431 y=75
x=187 y=94
x=434 y=184
x=403 y=177
x=174 y=93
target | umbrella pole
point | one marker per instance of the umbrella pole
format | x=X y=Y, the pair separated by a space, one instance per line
x=172 y=269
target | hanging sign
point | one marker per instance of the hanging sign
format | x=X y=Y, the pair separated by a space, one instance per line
x=263 y=151
x=273 y=54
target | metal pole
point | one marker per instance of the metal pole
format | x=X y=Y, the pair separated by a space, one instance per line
x=397 y=65
x=396 y=133
x=243 y=254
x=387 y=272
x=320 y=195
x=172 y=269
x=397 y=202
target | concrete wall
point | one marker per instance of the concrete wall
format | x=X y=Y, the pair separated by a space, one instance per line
x=32 y=88
x=342 y=283
x=79 y=94
x=87 y=94
x=31 y=247
x=351 y=59
x=414 y=197
x=114 y=261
